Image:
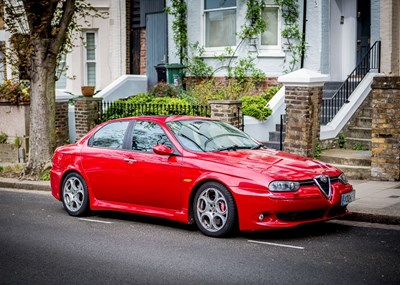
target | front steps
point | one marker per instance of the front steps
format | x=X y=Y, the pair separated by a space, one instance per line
x=355 y=164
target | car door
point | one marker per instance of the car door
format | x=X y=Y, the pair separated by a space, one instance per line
x=157 y=177
x=104 y=161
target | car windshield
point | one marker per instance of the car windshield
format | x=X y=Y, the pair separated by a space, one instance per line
x=208 y=135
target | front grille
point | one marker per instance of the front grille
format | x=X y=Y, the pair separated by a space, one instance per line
x=301 y=215
x=324 y=184
x=336 y=211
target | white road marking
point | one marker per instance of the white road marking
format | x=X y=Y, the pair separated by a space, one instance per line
x=94 y=221
x=276 y=244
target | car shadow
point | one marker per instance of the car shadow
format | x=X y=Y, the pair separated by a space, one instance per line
x=128 y=217
x=300 y=232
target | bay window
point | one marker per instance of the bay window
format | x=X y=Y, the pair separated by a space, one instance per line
x=270 y=38
x=90 y=58
x=220 y=23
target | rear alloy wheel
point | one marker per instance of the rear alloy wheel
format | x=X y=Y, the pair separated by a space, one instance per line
x=75 y=195
x=214 y=210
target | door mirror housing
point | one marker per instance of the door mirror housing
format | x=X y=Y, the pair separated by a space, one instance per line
x=163 y=150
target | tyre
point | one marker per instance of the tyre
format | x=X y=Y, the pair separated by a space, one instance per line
x=214 y=210
x=74 y=195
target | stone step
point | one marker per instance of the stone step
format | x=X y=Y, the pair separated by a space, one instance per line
x=362 y=122
x=358 y=132
x=355 y=164
x=279 y=126
x=273 y=144
x=355 y=172
x=358 y=142
x=276 y=136
x=366 y=112
x=346 y=157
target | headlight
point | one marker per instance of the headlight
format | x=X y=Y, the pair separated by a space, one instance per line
x=343 y=179
x=283 y=186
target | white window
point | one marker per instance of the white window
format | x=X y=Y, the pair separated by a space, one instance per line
x=61 y=73
x=220 y=23
x=271 y=37
x=90 y=58
x=2 y=62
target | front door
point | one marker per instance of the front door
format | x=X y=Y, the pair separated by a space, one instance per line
x=363 y=28
x=156 y=42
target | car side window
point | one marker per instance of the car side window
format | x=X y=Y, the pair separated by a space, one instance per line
x=146 y=135
x=110 y=136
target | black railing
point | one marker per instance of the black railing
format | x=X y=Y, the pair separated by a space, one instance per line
x=114 y=110
x=370 y=61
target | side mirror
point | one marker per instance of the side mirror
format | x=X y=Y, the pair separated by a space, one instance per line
x=163 y=150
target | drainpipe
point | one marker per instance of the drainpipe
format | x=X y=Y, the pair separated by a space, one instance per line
x=304 y=30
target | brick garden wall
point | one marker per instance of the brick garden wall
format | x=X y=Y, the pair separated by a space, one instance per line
x=229 y=111
x=62 y=133
x=303 y=119
x=86 y=112
x=385 y=160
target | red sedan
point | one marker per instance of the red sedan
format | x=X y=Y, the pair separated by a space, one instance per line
x=195 y=170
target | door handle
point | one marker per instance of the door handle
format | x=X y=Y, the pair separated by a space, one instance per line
x=130 y=160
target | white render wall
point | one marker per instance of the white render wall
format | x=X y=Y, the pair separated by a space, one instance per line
x=390 y=34
x=110 y=47
x=313 y=35
x=272 y=65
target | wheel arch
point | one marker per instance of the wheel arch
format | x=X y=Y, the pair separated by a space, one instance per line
x=196 y=188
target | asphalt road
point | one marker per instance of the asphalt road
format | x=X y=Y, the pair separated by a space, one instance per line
x=41 y=244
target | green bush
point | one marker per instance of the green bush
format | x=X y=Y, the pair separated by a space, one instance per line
x=3 y=137
x=256 y=106
x=163 y=89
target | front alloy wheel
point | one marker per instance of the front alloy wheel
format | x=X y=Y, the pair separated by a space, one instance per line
x=215 y=210
x=75 y=195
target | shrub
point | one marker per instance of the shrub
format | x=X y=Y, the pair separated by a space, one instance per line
x=256 y=106
x=3 y=137
x=14 y=92
x=163 y=89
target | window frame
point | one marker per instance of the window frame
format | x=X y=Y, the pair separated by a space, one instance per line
x=124 y=139
x=272 y=50
x=204 y=25
x=132 y=132
x=86 y=60
x=3 y=63
x=63 y=75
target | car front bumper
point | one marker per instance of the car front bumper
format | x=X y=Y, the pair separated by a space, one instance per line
x=267 y=211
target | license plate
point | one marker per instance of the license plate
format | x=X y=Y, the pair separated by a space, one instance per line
x=347 y=198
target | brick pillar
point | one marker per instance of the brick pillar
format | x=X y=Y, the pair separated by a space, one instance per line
x=86 y=114
x=385 y=160
x=229 y=111
x=303 y=99
x=62 y=132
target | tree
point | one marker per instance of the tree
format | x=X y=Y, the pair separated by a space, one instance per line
x=49 y=26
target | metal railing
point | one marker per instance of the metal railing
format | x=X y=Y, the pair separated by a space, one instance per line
x=114 y=110
x=331 y=106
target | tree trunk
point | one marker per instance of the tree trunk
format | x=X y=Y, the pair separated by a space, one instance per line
x=42 y=120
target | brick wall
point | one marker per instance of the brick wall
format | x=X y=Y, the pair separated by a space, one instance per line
x=385 y=160
x=62 y=133
x=86 y=115
x=302 y=119
x=143 y=56
x=229 y=111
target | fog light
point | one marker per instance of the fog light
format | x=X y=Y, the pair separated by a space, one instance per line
x=261 y=217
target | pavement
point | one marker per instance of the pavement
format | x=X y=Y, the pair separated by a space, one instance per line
x=376 y=201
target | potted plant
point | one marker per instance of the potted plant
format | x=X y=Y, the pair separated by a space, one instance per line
x=87 y=91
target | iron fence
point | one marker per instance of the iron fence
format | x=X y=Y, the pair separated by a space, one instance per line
x=115 y=110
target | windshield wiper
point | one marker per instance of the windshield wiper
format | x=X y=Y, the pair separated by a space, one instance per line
x=257 y=146
x=233 y=147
